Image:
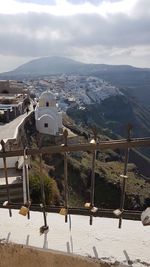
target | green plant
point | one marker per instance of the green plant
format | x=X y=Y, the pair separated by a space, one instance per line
x=52 y=195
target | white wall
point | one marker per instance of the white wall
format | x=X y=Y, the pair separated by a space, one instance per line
x=52 y=125
x=43 y=102
x=60 y=119
x=50 y=115
x=45 y=110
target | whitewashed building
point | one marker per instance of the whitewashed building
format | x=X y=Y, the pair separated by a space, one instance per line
x=48 y=119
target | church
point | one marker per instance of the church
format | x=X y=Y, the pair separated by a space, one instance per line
x=48 y=119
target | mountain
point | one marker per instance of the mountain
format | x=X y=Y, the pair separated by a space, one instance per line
x=49 y=65
x=45 y=66
x=59 y=65
x=134 y=81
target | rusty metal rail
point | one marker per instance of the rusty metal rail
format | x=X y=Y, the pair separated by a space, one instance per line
x=124 y=144
x=113 y=144
x=108 y=213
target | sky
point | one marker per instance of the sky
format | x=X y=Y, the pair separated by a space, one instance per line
x=90 y=31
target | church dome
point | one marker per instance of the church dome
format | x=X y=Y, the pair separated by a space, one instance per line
x=47 y=100
x=47 y=96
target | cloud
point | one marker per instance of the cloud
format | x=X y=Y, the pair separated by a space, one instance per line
x=87 y=37
x=41 y=2
x=142 y=8
x=76 y=2
x=67 y=7
x=37 y=34
x=94 y=2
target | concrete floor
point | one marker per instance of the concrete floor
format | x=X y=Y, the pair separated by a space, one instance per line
x=129 y=246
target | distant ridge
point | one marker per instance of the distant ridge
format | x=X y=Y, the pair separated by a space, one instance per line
x=58 y=65
x=134 y=80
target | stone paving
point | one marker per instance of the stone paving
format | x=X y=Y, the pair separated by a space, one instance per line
x=9 y=130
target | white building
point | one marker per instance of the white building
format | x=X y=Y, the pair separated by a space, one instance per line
x=48 y=119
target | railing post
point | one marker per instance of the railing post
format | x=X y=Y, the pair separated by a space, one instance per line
x=26 y=176
x=124 y=176
x=6 y=178
x=93 y=177
x=45 y=227
x=65 y=134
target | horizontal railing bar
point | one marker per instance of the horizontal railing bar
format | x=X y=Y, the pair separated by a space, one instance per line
x=127 y=214
x=115 y=144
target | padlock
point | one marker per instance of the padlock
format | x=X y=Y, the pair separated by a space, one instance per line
x=24 y=211
x=63 y=211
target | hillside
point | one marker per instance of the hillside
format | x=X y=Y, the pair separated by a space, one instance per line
x=109 y=166
x=134 y=82
x=113 y=113
x=111 y=117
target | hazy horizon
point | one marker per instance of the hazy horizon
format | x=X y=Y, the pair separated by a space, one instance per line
x=66 y=58
x=114 y=32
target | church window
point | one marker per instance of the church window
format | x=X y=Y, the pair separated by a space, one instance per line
x=5 y=92
x=46 y=125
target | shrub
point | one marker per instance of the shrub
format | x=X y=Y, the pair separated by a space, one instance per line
x=52 y=195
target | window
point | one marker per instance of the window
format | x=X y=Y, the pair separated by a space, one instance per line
x=46 y=125
x=5 y=92
x=47 y=104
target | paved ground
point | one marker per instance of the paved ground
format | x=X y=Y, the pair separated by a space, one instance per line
x=9 y=130
x=128 y=246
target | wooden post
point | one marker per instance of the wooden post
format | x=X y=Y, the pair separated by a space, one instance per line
x=65 y=133
x=93 y=175
x=124 y=176
x=6 y=177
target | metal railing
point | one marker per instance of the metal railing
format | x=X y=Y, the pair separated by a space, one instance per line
x=65 y=148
